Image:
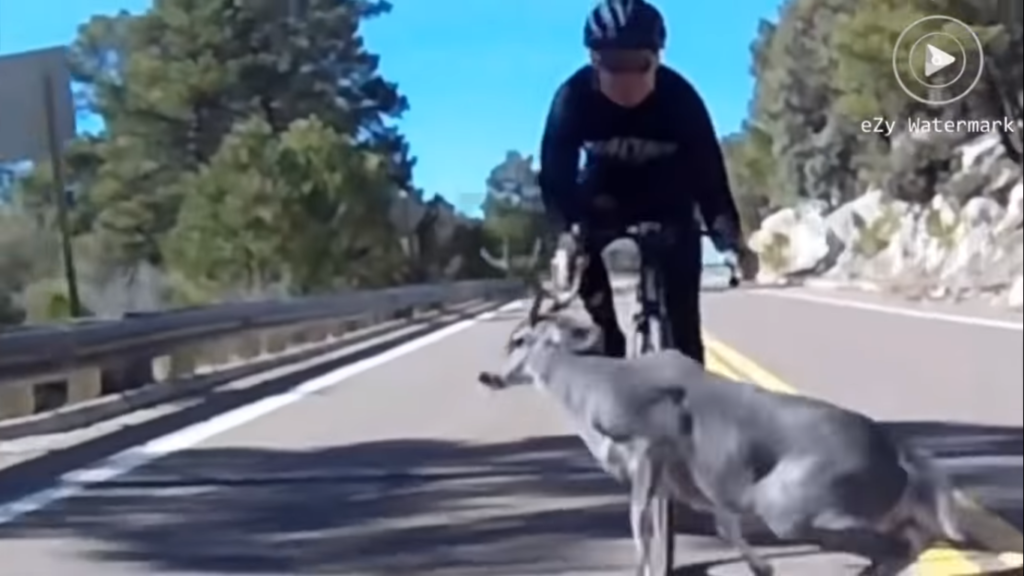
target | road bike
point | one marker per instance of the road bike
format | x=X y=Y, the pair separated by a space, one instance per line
x=651 y=333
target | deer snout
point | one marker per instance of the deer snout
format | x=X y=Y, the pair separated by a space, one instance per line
x=491 y=380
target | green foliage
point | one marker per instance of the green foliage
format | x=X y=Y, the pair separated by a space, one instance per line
x=513 y=212
x=775 y=255
x=248 y=151
x=916 y=168
x=27 y=252
x=823 y=67
x=937 y=226
x=875 y=236
x=47 y=301
x=751 y=172
x=864 y=42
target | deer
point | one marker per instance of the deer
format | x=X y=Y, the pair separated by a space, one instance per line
x=801 y=468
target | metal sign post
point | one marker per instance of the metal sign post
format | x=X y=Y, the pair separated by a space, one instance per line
x=60 y=194
x=37 y=116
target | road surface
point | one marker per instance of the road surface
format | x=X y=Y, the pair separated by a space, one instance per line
x=402 y=464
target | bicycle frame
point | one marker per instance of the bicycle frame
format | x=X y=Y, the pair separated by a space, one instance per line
x=652 y=333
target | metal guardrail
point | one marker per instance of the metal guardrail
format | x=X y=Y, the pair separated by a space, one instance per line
x=171 y=344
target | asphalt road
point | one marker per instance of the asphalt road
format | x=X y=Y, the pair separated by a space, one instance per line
x=404 y=465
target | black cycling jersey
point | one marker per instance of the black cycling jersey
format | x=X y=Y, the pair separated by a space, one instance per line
x=660 y=160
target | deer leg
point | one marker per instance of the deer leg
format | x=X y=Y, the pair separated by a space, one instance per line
x=730 y=529
x=640 y=513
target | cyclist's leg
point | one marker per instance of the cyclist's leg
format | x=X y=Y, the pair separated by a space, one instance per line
x=598 y=298
x=682 y=277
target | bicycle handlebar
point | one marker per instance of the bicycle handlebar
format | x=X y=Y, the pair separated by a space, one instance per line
x=635 y=231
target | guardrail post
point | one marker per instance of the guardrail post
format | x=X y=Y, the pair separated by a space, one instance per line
x=17 y=399
x=337 y=330
x=322 y=332
x=273 y=341
x=310 y=334
x=84 y=384
x=180 y=363
x=244 y=346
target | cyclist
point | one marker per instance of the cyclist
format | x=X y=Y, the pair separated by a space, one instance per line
x=651 y=155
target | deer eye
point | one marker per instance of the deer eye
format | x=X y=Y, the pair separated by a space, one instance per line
x=516 y=342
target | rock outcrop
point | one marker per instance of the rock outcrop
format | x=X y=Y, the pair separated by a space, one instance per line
x=946 y=249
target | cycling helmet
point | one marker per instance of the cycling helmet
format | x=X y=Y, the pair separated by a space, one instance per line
x=624 y=25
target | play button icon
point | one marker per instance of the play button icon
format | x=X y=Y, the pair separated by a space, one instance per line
x=936 y=60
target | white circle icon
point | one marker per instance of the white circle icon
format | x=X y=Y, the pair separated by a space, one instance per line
x=928 y=49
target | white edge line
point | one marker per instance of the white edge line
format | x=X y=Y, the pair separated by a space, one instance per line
x=920 y=314
x=76 y=481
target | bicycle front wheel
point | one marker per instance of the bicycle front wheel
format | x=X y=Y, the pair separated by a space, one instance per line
x=663 y=545
x=648 y=337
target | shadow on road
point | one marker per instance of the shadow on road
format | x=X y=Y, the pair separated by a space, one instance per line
x=389 y=507
x=26 y=477
x=400 y=507
x=987 y=462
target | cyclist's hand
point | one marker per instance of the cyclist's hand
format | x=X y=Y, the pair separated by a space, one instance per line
x=725 y=236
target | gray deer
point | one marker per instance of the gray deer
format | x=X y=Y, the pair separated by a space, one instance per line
x=803 y=469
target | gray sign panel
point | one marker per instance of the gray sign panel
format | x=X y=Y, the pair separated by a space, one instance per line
x=23 y=78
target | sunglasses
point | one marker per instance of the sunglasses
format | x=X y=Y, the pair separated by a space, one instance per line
x=625 y=62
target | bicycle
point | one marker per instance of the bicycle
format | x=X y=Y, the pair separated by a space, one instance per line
x=649 y=238
x=653 y=333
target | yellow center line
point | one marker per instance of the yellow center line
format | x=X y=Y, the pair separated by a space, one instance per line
x=985 y=525
x=1012 y=559
x=718 y=366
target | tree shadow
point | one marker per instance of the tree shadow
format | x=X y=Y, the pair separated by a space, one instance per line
x=387 y=507
x=986 y=462
x=408 y=506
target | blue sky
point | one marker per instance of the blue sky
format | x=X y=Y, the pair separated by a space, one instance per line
x=479 y=74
